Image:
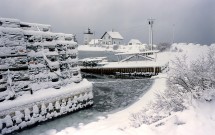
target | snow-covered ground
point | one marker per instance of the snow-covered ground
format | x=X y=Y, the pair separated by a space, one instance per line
x=198 y=120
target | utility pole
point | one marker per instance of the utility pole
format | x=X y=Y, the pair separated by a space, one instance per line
x=94 y=37
x=151 y=22
x=173 y=33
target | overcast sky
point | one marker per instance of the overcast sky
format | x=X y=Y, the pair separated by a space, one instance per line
x=191 y=20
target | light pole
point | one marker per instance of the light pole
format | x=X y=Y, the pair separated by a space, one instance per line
x=151 y=22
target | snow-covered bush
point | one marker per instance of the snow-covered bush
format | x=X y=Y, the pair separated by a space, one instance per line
x=164 y=104
x=195 y=80
x=187 y=81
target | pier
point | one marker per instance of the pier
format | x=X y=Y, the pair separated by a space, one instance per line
x=147 y=67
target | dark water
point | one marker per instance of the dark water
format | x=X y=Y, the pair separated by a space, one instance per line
x=110 y=96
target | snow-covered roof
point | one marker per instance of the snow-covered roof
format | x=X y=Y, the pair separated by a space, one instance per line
x=113 y=34
x=134 y=41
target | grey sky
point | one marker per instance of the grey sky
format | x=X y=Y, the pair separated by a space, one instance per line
x=193 y=20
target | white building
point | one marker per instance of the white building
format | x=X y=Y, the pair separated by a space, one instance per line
x=88 y=35
x=95 y=42
x=134 y=42
x=110 y=38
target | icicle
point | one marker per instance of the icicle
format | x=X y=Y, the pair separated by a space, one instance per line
x=57 y=105
x=63 y=102
x=50 y=107
x=43 y=109
x=35 y=111
x=27 y=114
x=75 y=99
x=69 y=103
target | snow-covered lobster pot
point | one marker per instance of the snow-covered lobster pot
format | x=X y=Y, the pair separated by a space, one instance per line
x=39 y=74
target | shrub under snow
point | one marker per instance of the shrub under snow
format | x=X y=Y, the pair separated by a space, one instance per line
x=187 y=82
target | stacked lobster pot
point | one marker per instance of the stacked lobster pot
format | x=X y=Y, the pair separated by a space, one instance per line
x=41 y=66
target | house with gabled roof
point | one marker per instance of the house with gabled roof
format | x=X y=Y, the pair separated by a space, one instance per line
x=112 y=37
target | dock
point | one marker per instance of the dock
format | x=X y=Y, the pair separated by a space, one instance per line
x=147 y=67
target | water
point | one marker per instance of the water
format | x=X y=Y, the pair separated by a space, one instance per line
x=110 y=55
x=110 y=96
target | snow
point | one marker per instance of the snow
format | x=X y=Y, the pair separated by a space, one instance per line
x=198 y=120
x=162 y=60
x=114 y=35
x=95 y=41
x=134 y=42
x=8 y=121
x=18 y=117
x=45 y=94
